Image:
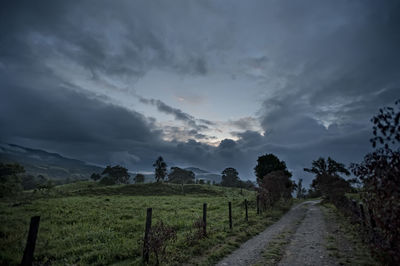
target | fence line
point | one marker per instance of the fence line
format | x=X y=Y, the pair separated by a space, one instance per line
x=34 y=227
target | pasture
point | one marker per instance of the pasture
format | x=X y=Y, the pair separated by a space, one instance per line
x=85 y=223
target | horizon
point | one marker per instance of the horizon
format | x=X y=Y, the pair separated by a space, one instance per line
x=204 y=84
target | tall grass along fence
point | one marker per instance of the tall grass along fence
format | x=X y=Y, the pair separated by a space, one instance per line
x=28 y=256
x=359 y=213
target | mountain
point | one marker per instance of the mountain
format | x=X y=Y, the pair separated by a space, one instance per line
x=52 y=165
x=196 y=170
x=205 y=175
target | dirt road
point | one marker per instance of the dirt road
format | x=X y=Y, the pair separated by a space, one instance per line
x=307 y=241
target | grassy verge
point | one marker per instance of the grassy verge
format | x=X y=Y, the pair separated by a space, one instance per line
x=343 y=241
x=87 y=224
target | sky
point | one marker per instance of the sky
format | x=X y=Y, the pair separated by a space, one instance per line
x=211 y=84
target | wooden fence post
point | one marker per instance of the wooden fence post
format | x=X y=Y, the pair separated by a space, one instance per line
x=362 y=214
x=245 y=205
x=146 y=236
x=258 y=204
x=205 y=219
x=230 y=214
x=27 y=259
x=371 y=219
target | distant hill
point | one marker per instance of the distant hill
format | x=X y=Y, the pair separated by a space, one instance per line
x=196 y=170
x=52 y=165
x=205 y=175
x=55 y=166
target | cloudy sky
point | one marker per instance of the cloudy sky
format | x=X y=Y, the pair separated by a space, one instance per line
x=211 y=84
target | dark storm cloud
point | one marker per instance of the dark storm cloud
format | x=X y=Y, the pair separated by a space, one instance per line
x=178 y=114
x=327 y=66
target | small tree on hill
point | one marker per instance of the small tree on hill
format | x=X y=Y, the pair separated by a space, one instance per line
x=139 y=178
x=230 y=177
x=95 y=176
x=160 y=170
x=117 y=173
x=181 y=176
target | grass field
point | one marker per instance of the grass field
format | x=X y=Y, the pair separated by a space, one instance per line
x=84 y=223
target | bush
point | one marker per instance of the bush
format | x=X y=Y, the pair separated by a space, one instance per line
x=380 y=174
x=193 y=237
x=107 y=181
x=275 y=186
x=159 y=236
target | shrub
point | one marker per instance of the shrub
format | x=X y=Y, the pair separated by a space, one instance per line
x=380 y=174
x=159 y=236
x=194 y=237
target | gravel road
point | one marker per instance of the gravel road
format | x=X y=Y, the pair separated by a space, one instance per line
x=250 y=252
x=307 y=246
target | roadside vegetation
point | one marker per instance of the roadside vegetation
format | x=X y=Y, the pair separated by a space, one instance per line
x=344 y=240
x=372 y=198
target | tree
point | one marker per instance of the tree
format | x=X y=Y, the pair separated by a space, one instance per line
x=181 y=176
x=117 y=173
x=160 y=170
x=249 y=185
x=95 y=176
x=139 y=178
x=10 y=181
x=301 y=191
x=320 y=167
x=230 y=177
x=267 y=164
x=380 y=174
x=328 y=180
x=275 y=186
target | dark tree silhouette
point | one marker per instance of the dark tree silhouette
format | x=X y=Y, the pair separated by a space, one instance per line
x=328 y=181
x=230 y=177
x=95 y=176
x=320 y=167
x=327 y=178
x=386 y=127
x=275 y=186
x=268 y=163
x=139 y=178
x=380 y=174
x=181 y=176
x=301 y=191
x=160 y=170
x=117 y=173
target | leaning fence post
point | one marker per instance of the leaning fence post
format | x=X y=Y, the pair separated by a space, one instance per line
x=205 y=219
x=230 y=214
x=146 y=236
x=27 y=259
x=258 y=204
x=362 y=214
x=245 y=205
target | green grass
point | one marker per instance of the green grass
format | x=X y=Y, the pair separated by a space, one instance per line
x=275 y=250
x=84 y=223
